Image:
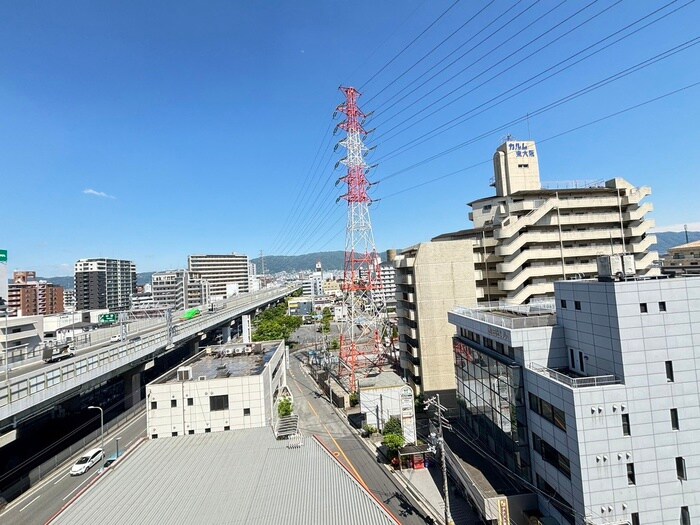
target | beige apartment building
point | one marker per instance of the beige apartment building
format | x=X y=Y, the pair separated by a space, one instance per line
x=527 y=236
x=683 y=259
x=227 y=274
x=431 y=279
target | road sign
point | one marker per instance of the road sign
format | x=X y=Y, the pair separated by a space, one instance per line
x=108 y=318
x=3 y=256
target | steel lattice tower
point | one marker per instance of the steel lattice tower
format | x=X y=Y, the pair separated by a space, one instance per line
x=364 y=325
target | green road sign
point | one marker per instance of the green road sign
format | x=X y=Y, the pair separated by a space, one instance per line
x=108 y=318
x=3 y=256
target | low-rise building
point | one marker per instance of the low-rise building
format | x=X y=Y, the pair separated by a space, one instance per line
x=226 y=387
x=20 y=337
x=683 y=259
x=592 y=398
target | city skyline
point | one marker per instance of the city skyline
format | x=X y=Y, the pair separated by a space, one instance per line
x=151 y=134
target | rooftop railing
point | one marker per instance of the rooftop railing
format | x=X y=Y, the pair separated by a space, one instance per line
x=513 y=316
x=574 y=382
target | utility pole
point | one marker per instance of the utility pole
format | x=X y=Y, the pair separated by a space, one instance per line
x=434 y=402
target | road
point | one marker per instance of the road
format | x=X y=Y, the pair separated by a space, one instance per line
x=318 y=418
x=41 y=502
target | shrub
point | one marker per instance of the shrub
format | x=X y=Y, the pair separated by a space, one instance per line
x=393 y=442
x=393 y=426
x=285 y=407
x=354 y=399
x=369 y=429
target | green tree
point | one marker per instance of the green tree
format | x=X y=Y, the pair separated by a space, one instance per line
x=285 y=407
x=335 y=345
x=393 y=426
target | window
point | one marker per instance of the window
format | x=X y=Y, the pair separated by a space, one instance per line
x=662 y=306
x=573 y=360
x=174 y=434
x=685 y=516
x=218 y=403
x=625 y=424
x=643 y=308
x=227 y=427
x=674 y=419
x=577 y=305
x=635 y=518
x=548 y=411
x=246 y=411
x=631 y=479
x=173 y=403
x=551 y=455
x=680 y=468
x=154 y=405
x=563 y=303
x=190 y=432
x=190 y=401
x=154 y=436
x=580 y=361
x=207 y=430
x=669 y=371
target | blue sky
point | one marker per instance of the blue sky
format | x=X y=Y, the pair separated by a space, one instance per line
x=152 y=130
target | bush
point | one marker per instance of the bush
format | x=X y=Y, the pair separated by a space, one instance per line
x=285 y=407
x=354 y=399
x=393 y=426
x=369 y=429
x=393 y=442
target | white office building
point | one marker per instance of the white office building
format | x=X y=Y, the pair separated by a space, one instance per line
x=222 y=271
x=104 y=283
x=593 y=398
x=227 y=387
x=528 y=236
x=178 y=289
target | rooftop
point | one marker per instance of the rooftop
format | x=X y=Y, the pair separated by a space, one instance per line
x=381 y=380
x=242 y=477
x=513 y=316
x=227 y=360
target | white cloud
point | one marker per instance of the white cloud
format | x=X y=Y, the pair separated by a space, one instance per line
x=692 y=227
x=96 y=193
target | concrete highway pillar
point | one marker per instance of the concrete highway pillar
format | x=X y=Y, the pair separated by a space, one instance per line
x=193 y=346
x=247 y=333
x=132 y=386
x=225 y=334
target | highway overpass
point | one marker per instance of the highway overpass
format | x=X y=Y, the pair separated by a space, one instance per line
x=36 y=388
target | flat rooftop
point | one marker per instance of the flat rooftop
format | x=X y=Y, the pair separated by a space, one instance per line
x=227 y=360
x=238 y=477
x=513 y=316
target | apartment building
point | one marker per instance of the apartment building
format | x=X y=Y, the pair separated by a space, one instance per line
x=431 y=278
x=592 y=397
x=220 y=271
x=683 y=259
x=387 y=285
x=179 y=289
x=27 y=296
x=104 y=283
x=527 y=236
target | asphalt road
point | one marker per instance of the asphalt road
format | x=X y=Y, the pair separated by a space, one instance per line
x=41 y=502
x=318 y=418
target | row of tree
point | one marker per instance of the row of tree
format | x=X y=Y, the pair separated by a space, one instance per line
x=274 y=323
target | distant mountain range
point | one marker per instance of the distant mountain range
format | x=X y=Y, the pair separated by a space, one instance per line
x=335 y=260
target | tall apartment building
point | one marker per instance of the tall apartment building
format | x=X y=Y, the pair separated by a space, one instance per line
x=27 y=296
x=387 y=285
x=683 y=259
x=104 y=283
x=220 y=271
x=178 y=289
x=593 y=398
x=69 y=299
x=526 y=237
x=431 y=278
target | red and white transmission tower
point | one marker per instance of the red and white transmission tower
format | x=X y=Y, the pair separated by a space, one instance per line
x=365 y=320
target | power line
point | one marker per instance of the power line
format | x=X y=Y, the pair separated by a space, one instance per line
x=409 y=44
x=552 y=137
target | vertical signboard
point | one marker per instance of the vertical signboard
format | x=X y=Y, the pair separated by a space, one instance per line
x=503 y=512
x=3 y=275
x=408 y=414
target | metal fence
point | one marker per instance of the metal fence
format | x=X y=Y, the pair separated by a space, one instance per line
x=85 y=443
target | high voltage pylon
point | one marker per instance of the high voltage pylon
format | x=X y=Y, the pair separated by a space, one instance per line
x=364 y=324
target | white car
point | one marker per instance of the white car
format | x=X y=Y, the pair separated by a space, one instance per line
x=115 y=338
x=86 y=461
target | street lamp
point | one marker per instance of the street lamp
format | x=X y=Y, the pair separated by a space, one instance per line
x=102 y=426
x=7 y=345
x=117 y=440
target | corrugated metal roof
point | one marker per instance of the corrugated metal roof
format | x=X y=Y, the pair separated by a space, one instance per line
x=237 y=477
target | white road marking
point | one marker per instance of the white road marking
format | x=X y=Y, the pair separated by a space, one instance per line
x=59 y=479
x=27 y=505
x=76 y=488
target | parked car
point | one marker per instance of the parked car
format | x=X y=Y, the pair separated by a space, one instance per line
x=115 y=338
x=86 y=461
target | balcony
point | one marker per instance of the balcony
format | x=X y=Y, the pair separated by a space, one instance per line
x=573 y=380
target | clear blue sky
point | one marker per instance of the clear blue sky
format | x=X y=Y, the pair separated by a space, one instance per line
x=152 y=130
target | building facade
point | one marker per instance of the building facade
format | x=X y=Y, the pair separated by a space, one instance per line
x=27 y=296
x=227 y=387
x=387 y=285
x=20 y=337
x=220 y=271
x=683 y=259
x=593 y=398
x=526 y=237
x=104 y=283
x=431 y=278
x=179 y=289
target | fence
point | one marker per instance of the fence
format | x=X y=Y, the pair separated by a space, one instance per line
x=47 y=467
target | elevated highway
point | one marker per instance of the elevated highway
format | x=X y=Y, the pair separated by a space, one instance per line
x=37 y=387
